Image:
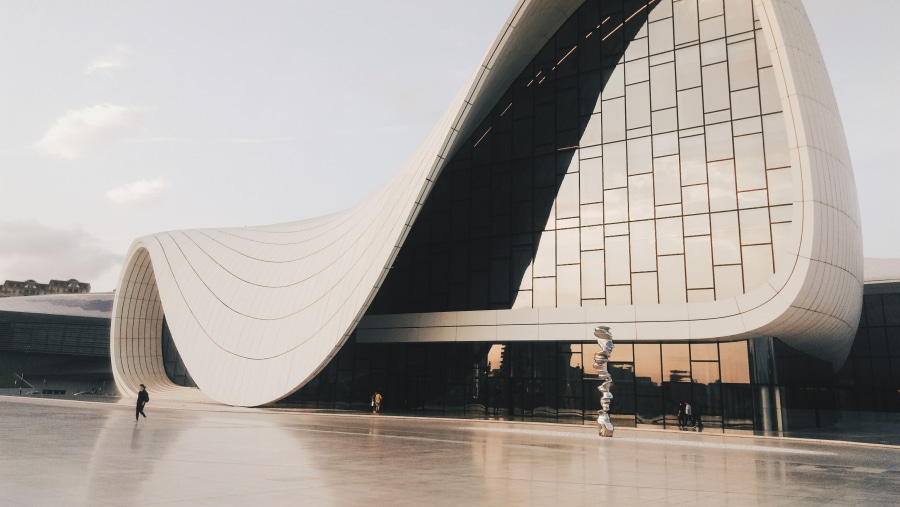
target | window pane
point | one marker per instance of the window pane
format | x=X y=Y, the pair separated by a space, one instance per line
x=662 y=86
x=676 y=364
x=716 y=95
x=742 y=64
x=704 y=352
x=647 y=366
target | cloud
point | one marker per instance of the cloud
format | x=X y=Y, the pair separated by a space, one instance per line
x=80 y=132
x=114 y=59
x=31 y=250
x=137 y=192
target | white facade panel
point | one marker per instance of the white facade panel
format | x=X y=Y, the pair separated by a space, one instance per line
x=723 y=207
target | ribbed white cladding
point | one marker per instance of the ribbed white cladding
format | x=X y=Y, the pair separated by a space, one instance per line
x=256 y=312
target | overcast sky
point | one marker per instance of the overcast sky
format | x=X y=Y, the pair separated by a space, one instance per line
x=120 y=119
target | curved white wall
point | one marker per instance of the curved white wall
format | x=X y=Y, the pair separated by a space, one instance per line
x=257 y=312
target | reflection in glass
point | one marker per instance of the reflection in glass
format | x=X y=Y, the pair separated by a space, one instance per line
x=662 y=86
x=729 y=281
x=707 y=401
x=591 y=180
x=758 y=267
x=755 y=226
x=712 y=52
x=745 y=103
x=615 y=166
x=695 y=199
x=643 y=246
x=568 y=287
x=750 y=163
x=593 y=285
x=698 y=260
x=618 y=261
x=776 y=143
x=545 y=257
x=722 y=193
x=690 y=108
x=672 y=285
x=742 y=71
x=615 y=205
x=613 y=120
x=696 y=225
x=636 y=71
x=661 y=37
x=640 y=197
x=687 y=27
x=647 y=366
x=704 y=352
x=726 y=240
x=669 y=236
x=716 y=96
x=544 y=292
x=665 y=120
x=735 y=362
x=738 y=17
x=770 y=100
x=676 y=363
x=693 y=160
x=718 y=142
x=644 y=289
x=637 y=105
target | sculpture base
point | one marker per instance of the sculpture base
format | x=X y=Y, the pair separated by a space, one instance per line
x=606 y=427
x=606 y=430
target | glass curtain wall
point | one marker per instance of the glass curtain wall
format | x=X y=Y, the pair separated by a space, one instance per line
x=475 y=243
x=761 y=385
x=534 y=381
x=640 y=158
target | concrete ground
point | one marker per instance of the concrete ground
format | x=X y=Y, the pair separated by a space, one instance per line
x=60 y=452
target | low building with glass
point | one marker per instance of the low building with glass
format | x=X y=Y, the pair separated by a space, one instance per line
x=56 y=345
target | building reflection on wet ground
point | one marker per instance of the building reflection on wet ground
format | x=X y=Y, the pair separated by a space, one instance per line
x=81 y=453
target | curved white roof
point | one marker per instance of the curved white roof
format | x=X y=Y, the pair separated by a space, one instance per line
x=256 y=312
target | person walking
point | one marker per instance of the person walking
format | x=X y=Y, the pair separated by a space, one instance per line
x=682 y=418
x=377 y=402
x=688 y=413
x=142 y=399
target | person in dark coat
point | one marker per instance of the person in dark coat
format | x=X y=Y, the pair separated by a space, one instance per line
x=142 y=400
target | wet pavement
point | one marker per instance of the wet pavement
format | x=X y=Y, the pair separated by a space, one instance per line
x=61 y=452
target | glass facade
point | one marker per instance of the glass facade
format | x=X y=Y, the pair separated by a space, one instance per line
x=756 y=385
x=640 y=158
x=55 y=354
x=541 y=381
x=172 y=362
x=870 y=379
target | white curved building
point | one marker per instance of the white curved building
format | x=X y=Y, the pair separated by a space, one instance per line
x=673 y=169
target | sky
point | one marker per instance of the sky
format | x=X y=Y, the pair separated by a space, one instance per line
x=121 y=119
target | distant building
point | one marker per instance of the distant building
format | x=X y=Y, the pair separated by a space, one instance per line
x=32 y=288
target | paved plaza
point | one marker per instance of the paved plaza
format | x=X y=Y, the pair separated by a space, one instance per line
x=61 y=452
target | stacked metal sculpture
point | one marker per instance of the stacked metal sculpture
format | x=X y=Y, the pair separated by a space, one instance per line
x=601 y=358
